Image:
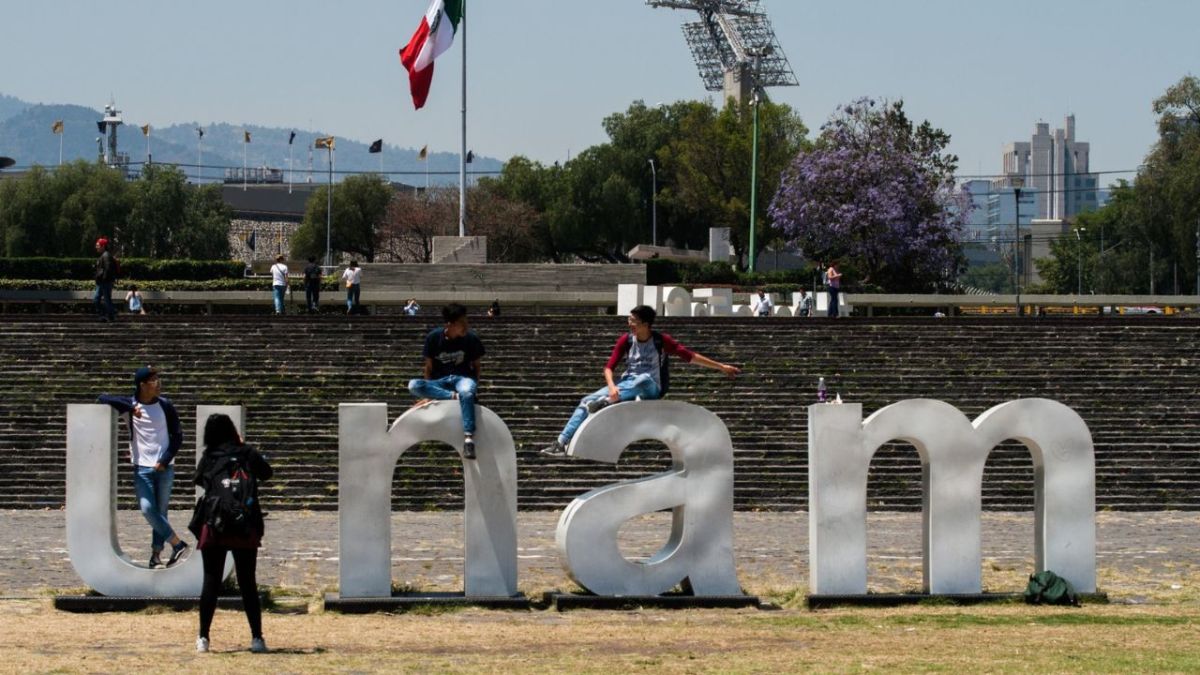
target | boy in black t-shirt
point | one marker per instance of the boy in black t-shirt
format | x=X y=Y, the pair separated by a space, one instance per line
x=452 y=367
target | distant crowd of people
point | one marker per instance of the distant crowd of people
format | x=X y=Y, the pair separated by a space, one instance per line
x=108 y=268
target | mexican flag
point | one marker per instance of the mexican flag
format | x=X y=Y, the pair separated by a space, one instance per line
x=433 y=37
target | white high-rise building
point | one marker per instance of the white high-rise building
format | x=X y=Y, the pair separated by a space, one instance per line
x=1056 y=166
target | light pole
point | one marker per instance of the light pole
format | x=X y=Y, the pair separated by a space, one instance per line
x=654 y=205
x=1079 y=260
x=755 y=99
x=1017 y=183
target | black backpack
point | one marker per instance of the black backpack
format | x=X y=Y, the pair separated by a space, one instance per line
x=664 y=364
x=231 y=495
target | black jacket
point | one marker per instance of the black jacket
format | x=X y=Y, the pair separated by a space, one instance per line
x=106 y=270
x=255 y=462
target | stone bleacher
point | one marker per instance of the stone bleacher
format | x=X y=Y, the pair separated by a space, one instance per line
x=1134 y=381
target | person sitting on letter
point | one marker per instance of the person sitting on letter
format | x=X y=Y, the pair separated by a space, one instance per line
x=453 y=356
x=646 y=375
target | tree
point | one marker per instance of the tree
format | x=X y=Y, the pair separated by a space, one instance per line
x=205 y=234
x=541 y=189
x=360 y=204
x=159 y=203
x=598 y=205
x=61 y=213
x=411 y=221
x=708 y=165
x=507 y=224
x=878 y=193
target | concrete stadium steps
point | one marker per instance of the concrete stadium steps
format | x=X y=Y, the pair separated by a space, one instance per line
x=1134 y=381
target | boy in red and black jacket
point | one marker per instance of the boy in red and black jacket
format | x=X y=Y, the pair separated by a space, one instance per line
x=646 y=375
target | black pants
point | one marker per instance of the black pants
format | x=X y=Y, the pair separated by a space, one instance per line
x=312 y=295
x=245 y=560
x=833 y=302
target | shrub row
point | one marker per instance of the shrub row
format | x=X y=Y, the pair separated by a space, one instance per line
x=241 y=284
x=659 y=272
x=132 y=269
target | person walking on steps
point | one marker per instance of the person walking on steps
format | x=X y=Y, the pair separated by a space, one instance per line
x=279 y=282
x=106 y=276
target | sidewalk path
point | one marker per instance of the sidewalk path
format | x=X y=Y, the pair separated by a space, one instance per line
x=1140 y=556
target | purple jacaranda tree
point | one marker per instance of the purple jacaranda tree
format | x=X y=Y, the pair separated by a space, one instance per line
x=878 y=195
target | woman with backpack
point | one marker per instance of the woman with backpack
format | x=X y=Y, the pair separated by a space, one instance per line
x=228 y=519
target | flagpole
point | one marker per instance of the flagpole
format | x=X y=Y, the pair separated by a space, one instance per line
x=60 y=144
x=290 y=166
x=244 y=144
x=462 y=166
x=329 y=211
x=199 y=156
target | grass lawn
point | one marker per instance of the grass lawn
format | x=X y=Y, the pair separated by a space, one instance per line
x=1003 y=638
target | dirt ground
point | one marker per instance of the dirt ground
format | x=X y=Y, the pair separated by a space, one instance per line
x=1149 y=564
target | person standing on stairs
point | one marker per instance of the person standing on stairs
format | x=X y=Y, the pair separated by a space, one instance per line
x=453 y=363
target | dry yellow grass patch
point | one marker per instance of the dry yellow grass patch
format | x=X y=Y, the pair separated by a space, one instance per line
x=36 y=638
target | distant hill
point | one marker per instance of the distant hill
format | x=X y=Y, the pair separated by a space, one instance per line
x=10 y=106
x=25 y=136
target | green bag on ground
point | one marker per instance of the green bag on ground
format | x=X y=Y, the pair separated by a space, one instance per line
x=1047 y=588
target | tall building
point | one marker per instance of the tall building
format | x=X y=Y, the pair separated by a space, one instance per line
x=1056 y=166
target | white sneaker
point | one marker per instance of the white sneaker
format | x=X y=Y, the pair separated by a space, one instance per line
x=258 y=646
x=202 y=645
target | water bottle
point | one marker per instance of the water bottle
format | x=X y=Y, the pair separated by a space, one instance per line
x=821 y=390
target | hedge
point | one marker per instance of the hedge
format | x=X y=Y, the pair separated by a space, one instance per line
x=132 y=269
x=240 y=284
x=659 y=272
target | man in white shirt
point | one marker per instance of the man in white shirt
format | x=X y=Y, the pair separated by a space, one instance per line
x=155 y=436
x=351 y=278
x=762 y=304
x=279 y=282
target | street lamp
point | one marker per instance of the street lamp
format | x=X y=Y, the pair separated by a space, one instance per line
x=756 y=98
x=1017 y=183
x=654 y=205
x=1079 y=260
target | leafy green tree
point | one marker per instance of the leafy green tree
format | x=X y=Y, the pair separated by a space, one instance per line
x=540 y=188
x=598 y=205
x=360 y=205
x=709 y=162
x=159 y=203
x=61 y=212
x=95 y=202
x=205 y=235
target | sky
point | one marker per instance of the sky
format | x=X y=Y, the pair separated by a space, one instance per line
x=544 y=73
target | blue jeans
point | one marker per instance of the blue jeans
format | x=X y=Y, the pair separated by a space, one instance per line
x=103 y=300
x=352 y=294
x=280 y=291
x=153 y=490
x=833 y=302
x=444 y=389
x=630 y=387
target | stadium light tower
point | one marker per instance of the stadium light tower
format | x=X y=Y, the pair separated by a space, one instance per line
x=736 y=52
x=724 y=42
